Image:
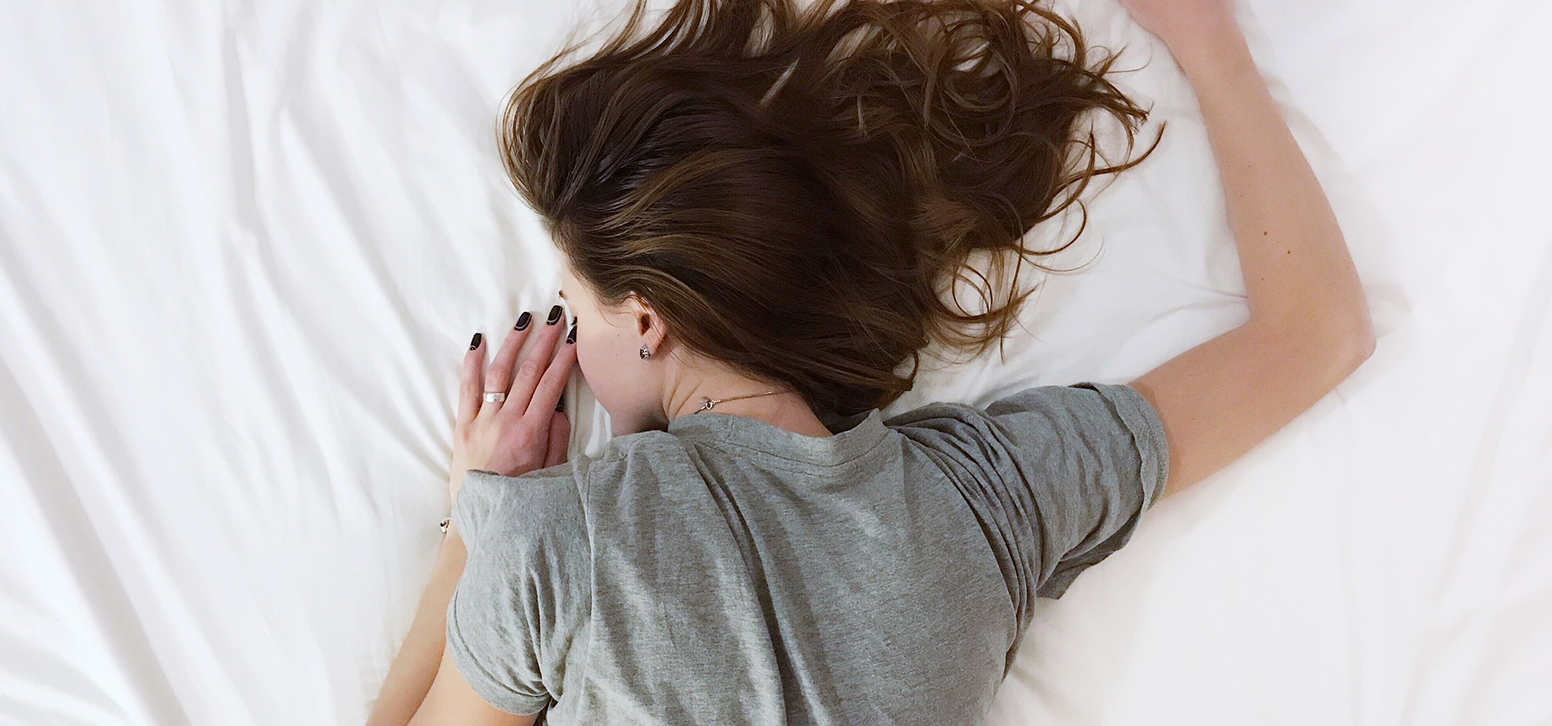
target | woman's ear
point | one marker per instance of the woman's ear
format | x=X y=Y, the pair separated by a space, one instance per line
x=647 y=323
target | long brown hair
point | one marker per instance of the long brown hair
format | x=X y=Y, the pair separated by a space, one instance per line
x=791 y=188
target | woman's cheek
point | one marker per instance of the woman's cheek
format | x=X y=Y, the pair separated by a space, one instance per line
x=609 y=375
x=594 y=371
x=584 y=360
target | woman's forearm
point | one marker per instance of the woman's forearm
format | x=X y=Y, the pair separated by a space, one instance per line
x=1292 y=253
x=413 y=670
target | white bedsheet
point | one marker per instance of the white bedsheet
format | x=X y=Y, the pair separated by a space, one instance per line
x=243 y=247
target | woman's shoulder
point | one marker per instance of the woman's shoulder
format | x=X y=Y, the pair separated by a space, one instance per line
x=553 y=501
x=532 y=509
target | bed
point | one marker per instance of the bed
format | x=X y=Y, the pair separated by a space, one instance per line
x=243 y=246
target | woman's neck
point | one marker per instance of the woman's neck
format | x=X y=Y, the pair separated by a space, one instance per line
x=785 y=409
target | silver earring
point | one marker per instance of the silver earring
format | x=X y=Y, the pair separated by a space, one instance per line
x=644 y=352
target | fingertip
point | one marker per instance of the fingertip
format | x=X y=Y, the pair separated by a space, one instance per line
x=474 y=357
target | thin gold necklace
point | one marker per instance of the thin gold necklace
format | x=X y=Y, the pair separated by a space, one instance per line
x=707 y=403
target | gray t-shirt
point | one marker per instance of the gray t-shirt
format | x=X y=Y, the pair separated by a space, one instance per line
x=728 y=571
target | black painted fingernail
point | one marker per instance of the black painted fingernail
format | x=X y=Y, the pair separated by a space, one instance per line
x=571 y=337
x=522 y=320
x=475 y=343
x=554 y=316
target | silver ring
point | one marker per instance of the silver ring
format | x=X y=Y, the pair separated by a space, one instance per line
x=495 y=396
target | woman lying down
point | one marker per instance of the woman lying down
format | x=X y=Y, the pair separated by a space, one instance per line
x=757 y=206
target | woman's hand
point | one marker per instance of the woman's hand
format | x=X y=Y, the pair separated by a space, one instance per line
x=525 y=432
x=1179 y=23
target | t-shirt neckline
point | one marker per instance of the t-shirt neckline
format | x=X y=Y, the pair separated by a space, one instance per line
x=854 y=435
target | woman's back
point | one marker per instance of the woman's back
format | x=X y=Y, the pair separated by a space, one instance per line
x=729 y=571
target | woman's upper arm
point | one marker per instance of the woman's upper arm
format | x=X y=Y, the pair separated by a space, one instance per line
x=1058 y=476
x=1221 y=398
x=522 y=596
x=452 y=701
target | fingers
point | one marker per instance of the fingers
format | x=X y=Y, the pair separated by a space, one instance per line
x=469 y=381
x=560 y=439
x=498 y=377
x=536 y=362
x=552 y=385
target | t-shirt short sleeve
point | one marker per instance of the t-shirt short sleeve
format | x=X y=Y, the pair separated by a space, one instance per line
x=524 y=592
x=1057 y=475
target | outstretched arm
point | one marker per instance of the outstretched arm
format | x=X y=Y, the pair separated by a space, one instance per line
x=1309 y=322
